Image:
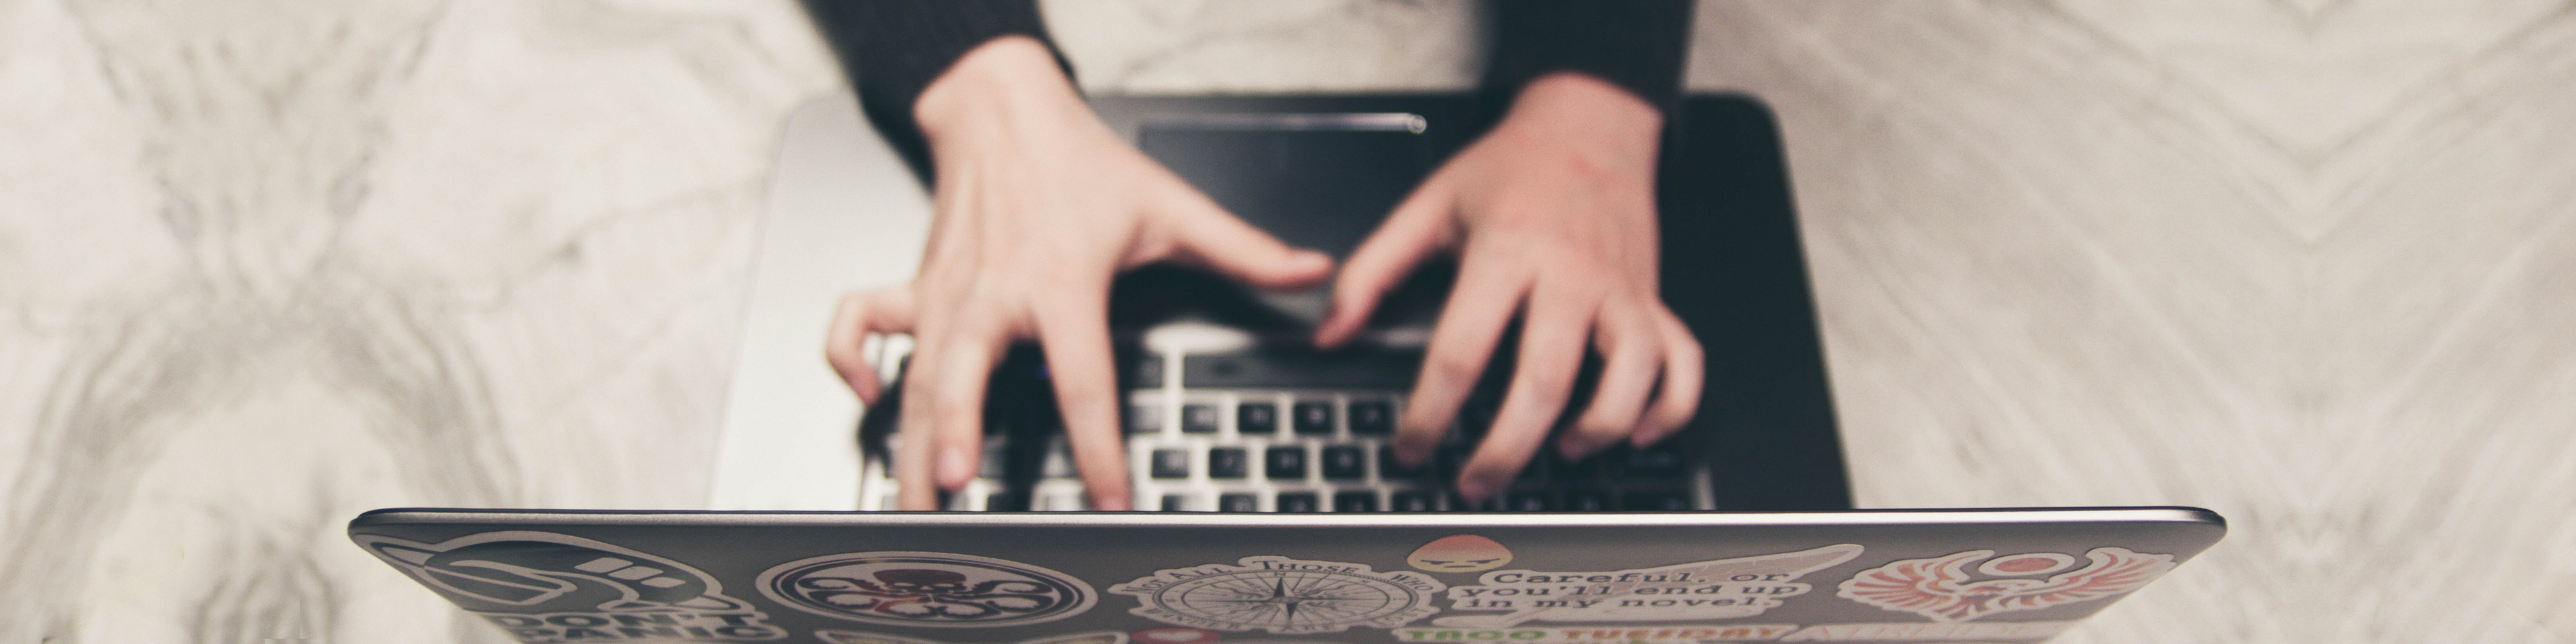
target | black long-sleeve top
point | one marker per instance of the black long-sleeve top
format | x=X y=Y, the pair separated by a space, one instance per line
x=893 y=49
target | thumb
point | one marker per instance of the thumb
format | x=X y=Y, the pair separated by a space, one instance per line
x=1205 y=235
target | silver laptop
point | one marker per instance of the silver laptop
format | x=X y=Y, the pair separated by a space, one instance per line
x=1204 y=578
x=1289 y=523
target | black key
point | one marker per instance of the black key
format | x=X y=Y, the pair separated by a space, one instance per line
x=1409 y=501
x=1296 y=501
x=1475 y=416
x=1528 y=502
x=1144 y=419
x=1661 y=461
x=1227 y=463
x=1175 y=503
x=1372 y=417
x=1587 y=501
x=1654 y=501
x=1284 y=463
x=1005 y=502
x=1388 y=469
x=1314 y=416
x=1171 y=464
x=1460 y=504
x=1584 y=470
x=1533 y=472
x=1236 y=503
x=1345 y=462
x=1355 y=502
x=1256 y=418
x=1198 y=419
x=1449 y=459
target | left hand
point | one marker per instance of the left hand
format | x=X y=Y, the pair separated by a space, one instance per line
x=1553 y=215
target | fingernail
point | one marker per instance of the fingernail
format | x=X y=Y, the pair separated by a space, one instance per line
x=955 y=464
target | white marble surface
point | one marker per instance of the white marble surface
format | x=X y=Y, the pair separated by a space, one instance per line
x=264 y=265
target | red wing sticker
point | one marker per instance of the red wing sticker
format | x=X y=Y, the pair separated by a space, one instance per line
x=1941 y=588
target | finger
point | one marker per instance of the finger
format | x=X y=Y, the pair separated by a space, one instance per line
x=1208 y=236
x=1685 y=371
x=858 y=316
x=1414 y=231
x=1076 y=337
x=1479 y=308
x=1552 y=344
x=1628 y=374
x=966 y=360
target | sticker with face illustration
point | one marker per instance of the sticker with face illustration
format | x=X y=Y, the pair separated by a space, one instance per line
x=1697 y=591
x=1942 y=589
x=1283 y=596
x=1460 y=553
x=926 y=589
x=855 y=637
x=544 y=587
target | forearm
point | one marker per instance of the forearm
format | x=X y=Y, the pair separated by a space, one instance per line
x=894 y=50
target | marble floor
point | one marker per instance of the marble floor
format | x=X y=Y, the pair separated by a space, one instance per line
x=265 y=264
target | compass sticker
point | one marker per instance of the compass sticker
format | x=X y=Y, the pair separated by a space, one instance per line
x=1284 y=596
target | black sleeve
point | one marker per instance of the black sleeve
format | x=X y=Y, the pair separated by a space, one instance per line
x=892 y=49
x=1635 y=44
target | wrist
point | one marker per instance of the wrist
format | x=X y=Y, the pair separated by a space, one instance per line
x=1005 y=85
x=1608 y=124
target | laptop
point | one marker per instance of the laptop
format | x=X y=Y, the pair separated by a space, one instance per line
x=1285 y=520
x=1248 y=578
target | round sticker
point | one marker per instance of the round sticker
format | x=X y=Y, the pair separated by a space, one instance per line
x=926 y=589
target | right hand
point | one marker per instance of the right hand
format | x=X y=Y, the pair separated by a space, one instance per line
x=1037 y=206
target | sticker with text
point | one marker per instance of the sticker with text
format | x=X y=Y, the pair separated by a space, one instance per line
x=1283 y=596
x=1460 y=553
x=926 y=589
x=1599 y=634
x=856 y=637
x=1978 y=631
x=1942 y=588
x=544 y=587
x=1706 y=590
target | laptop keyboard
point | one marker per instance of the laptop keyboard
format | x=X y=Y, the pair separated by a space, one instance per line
x=1292 y=450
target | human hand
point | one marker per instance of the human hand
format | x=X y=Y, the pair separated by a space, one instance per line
x=1037 y=206
x=1553 y=216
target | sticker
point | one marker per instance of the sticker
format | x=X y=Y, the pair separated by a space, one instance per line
x=855 y=637
x=1922 y=631
x=926 y=589
x=545 y=587
x=1707 y=590
x=1600 y=635
x=1941 y=588
x=1176 y=635
x=1460 y=553
x=1284 y=596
